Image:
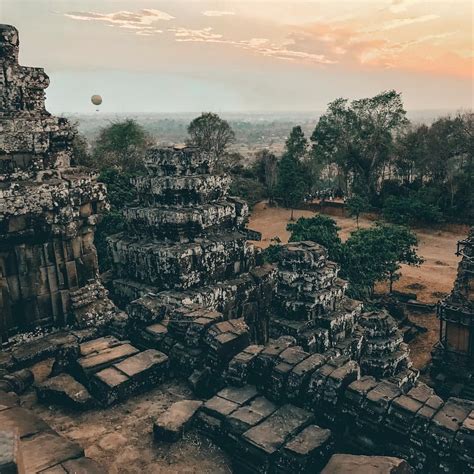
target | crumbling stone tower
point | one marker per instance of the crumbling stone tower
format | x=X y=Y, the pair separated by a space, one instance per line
x=186 y=244
x=310 y=301
x=48 y=210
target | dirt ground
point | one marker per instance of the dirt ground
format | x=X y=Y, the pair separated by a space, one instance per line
x=431 y=281
x=120 y=438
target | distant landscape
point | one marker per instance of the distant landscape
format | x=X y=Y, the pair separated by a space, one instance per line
x=253 y=131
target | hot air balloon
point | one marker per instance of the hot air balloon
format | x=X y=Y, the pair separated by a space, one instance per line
x=96 y=100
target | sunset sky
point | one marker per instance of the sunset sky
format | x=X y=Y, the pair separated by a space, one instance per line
x=259 y=55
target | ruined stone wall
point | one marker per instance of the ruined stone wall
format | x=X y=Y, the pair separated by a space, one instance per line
x=48 y=210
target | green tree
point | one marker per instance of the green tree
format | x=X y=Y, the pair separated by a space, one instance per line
x=356 y=205
x=121 y=145
x=297 y=144
x=120 y=193
x=210 y=133
x=358 y=137
x=291 y=182
x=375 y=254
x=320 y=229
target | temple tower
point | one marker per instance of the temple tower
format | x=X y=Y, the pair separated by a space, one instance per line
x=48 y=209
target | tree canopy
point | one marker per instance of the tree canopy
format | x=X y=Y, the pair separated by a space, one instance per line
x=358 y=137
x=210 y=133
x=121 y=145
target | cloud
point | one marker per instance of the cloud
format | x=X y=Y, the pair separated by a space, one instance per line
x=401 y=22
x=140 y=20
x=399 y=6
x=262 y=46
x=217 y=13
x=202 y=35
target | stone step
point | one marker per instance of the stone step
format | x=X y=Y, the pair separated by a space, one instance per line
x=171 y=425
x=131 y=375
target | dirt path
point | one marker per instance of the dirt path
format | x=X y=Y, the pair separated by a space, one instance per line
x=431 y=281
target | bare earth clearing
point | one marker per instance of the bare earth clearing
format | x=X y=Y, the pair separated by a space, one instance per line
x=431 y=281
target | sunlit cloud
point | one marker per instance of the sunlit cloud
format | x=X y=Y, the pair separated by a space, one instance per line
x=217 y=13
x=189 y=35
x=141 y=19
x=401 y=22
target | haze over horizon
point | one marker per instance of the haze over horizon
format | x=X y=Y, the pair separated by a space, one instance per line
x=151 y=56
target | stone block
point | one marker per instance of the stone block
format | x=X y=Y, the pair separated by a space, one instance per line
x=345 y=463
x=65 y=390
x=171 y=425
x=308 y=451
x=11 y=461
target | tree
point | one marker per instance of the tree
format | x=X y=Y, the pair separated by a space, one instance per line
x=375 y=254
x=356 y=205
x=266 y=170
x=320 y=229
x=121 y=145
x=291 y=182
x=297 y=144
x=292 y=174
x=358 y=137
x=210 y=133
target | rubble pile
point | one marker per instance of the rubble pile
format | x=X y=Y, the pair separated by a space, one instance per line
x=48 y=209
x=364 y=414
x=262 y=437
x=310 y=301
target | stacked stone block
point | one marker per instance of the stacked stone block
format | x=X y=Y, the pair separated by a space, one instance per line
x=384 y=353
x=48 y=209
x=310 y=301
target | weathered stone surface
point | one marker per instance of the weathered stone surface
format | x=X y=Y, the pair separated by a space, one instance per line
x=249 y=415
x=133 y=374
x=171 y=425
x=308 y=451
x=46 y=450
x=65 y=390
x=310 y=302
x=22 y=421
x=384 y=354
x=82 y=465
x=345 y=463
x=271 y=434
x=10 y=457
x=48 y=209
x=96 y=361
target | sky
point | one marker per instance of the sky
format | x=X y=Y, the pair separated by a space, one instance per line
x=246 y=55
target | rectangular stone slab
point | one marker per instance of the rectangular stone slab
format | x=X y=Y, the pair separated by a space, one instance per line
x=240 y=395
x=95 y=362
x=142 y=363
x=45 y=450
x=23 y=421
x=272 y=433
x=97 y=345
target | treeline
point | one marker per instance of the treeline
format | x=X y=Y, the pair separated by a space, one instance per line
x=368 y=151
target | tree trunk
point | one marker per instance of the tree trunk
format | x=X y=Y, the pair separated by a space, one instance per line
x=292 y=217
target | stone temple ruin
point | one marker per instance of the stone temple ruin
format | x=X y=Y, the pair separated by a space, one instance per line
x=288 y=373
x=453 y=356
